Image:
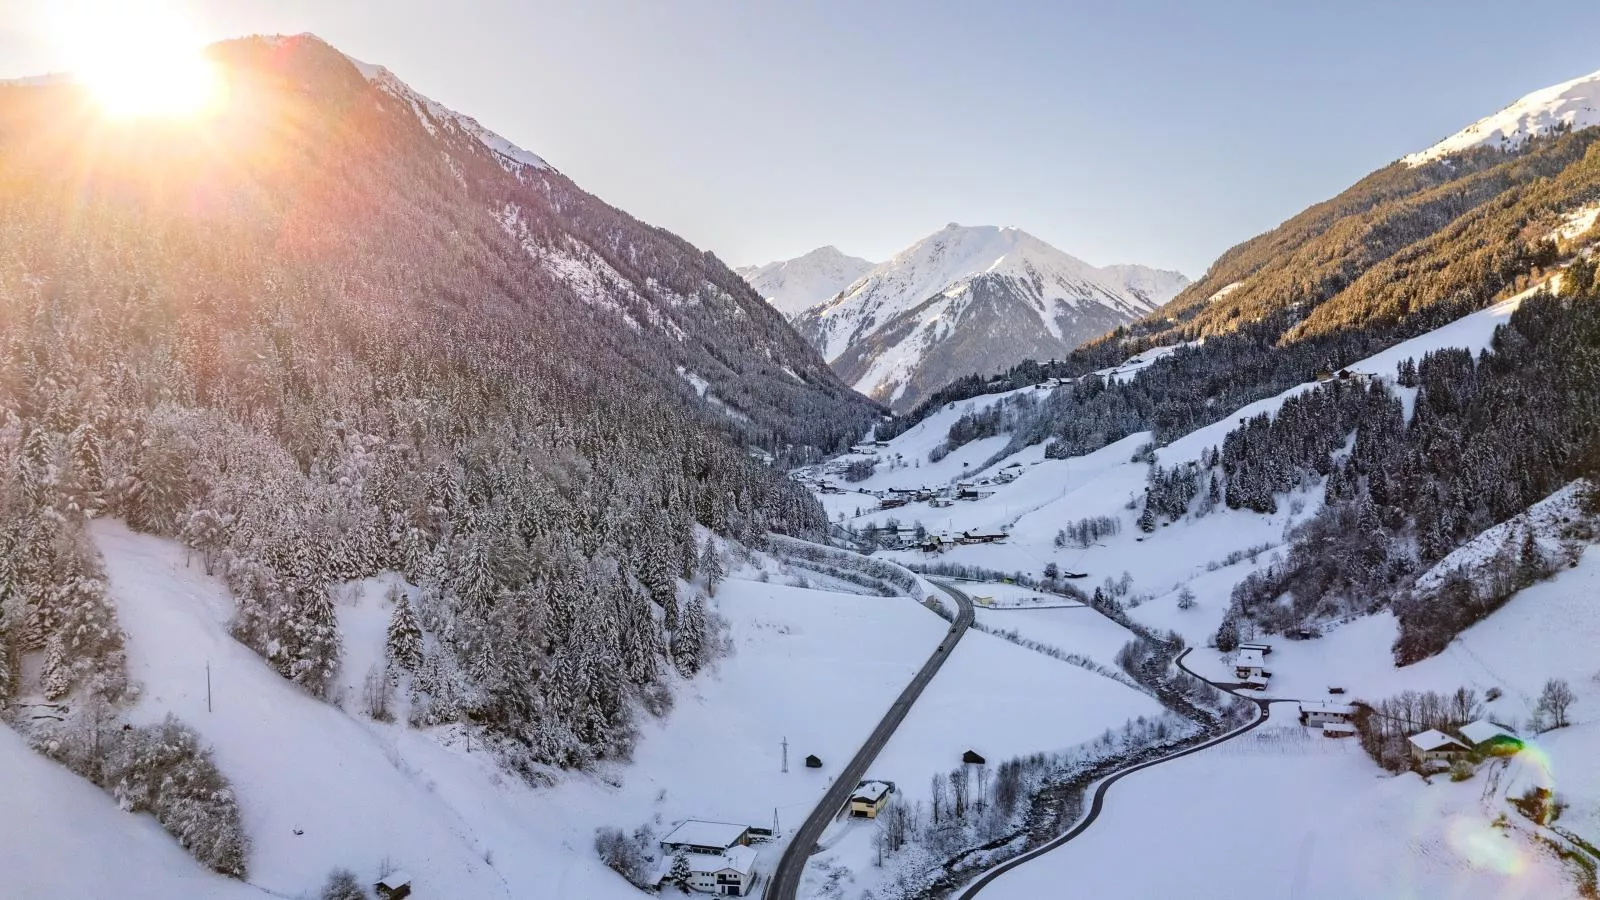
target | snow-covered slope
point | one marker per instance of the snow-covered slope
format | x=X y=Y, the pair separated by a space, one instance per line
x=972 y=299
x=434 y=115
x=1573 y=105
x=795 y=285
x=323 y=785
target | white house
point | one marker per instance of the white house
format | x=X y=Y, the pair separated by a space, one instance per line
x=1322 y=712
x=1250 y=667
x=1434 y=744
x=869 y=799
x=730 y=873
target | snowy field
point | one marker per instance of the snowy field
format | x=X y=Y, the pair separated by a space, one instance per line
x=321 y=786
x=1283 y=813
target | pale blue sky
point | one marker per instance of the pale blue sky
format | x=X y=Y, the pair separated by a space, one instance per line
x=1151 y=132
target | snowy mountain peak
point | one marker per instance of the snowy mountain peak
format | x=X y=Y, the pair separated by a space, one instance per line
x=435 y=115
x=794 y=285
x=1570 y=105
x=973 y=299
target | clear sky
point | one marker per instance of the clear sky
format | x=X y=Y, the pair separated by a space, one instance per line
x=1152 y=132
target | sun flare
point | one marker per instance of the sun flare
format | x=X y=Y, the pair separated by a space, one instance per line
x=139 y=60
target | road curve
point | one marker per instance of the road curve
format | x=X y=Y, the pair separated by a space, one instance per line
x=786 y=878
x=1098 y=802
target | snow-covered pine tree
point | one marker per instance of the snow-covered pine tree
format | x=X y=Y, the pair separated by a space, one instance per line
x=711 y=567
x=689 y=641
x=404 y=646
x=679 y=875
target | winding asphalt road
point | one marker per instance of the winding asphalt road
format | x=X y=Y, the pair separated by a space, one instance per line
x=1105 y=784
x=786 y=879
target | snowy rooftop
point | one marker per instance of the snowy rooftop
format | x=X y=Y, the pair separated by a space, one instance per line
x=394 y=880
x=1338 y=728
x=1434 y=739
x=700 y=833
x=1250 y=658
x=1485 y=730
x=1327 y=707
x=738 y=858
x=870 y=791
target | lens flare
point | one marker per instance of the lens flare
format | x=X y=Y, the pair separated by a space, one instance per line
x=138 y=59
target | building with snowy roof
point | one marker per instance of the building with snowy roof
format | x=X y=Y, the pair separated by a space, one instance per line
x=731 y=873
x=700 y=836
x=869 y=799
x=1434 y=744
x=1485 y=736
x=1319 y=712
x=1251 y=667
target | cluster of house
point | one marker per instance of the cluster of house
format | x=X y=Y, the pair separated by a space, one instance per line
x=1250 y=665
x=720 y=857
x=1480 y=737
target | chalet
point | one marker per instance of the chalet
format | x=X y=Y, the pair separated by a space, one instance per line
x=1250 y=668
x=1338 y=729
x=699 y=836
x=932 y=544
x=1266 y=649
x=906 y=538
x=893 y=502
x=1322 y=712
x=1434 y=744
x=982 y=537
x=1485 y=736
x=972 y=757
x=813 y=762
x=730 y=873
x=941 y=502
x=869 y=799
x=393 y=886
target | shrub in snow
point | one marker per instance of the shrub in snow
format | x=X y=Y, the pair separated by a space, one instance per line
x=631 y=856
x=342 y=884
x=159 y=769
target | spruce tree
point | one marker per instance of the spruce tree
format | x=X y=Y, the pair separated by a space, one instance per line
x=711 y=565
x=404 y=648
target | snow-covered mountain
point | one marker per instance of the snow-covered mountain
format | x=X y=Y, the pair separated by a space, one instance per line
x=972 y=299
x=795 y=285
x=1570 y=105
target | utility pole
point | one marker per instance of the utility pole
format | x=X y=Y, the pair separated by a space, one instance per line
x=775 y=832
x=785 y=763
x=208 y=685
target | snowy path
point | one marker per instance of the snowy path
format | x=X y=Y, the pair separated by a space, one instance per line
x=1098 y=801
x=786 y=879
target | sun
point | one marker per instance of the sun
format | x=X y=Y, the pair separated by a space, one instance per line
x=139 y=60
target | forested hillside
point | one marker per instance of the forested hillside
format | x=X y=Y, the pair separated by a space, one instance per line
x=330 y=332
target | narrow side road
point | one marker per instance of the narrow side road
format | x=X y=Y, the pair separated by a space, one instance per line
x=1098 y=802
x=786 y=878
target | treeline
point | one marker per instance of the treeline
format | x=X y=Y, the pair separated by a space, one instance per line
x=1487 y=438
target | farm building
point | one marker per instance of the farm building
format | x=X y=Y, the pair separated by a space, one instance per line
x=699 y=836
x=394 y=886
x=869 y=799
x=1338 y=729
x=972 y=757
x=813 y=762
x=1485 y=736
x=1266 y=649
x=1320 y=712
x=1434 y=744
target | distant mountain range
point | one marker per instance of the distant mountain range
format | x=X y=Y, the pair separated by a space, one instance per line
x=793 y=286
x=962 y=300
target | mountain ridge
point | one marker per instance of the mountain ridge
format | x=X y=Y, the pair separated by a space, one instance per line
x=972 y=299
